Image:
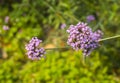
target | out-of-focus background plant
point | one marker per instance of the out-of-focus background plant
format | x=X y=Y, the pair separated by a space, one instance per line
x=20 y=20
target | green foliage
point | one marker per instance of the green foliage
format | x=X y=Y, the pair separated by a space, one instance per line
x=57 y=67
x=42 y=18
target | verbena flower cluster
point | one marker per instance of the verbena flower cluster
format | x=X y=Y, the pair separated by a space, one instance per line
x=82 y=37
x=5 y=27
x=90 y=18
x=63 y=26
x=7 y=18
x=34 y=52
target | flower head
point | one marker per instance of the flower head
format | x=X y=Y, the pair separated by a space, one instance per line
x=7 y=19
x=63 y=26
x=5 y=27
x=82 y=37
x=90 y=18
x=33 y=49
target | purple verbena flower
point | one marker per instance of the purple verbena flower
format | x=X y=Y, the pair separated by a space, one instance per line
x=90 y=18
x=63 y=26
x=7 y=19
x=82 y=37
x=5 y=27
x=34 y=52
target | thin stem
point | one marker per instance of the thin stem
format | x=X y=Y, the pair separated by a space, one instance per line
x=84 y=59
x=113 y=37
x=67 y=47
x=54 y=10
x=72 y=17
x=57 y=48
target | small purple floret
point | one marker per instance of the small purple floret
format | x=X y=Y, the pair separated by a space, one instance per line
x=34 y=52
x=5 y=27
x=63 y=26
x=90 y=18
x=7 y=19
x=82 y=37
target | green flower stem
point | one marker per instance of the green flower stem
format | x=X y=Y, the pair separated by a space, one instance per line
x=57 y=48
x=67 y=47
x=113 y=37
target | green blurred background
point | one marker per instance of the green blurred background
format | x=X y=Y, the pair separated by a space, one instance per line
x=43 y=18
